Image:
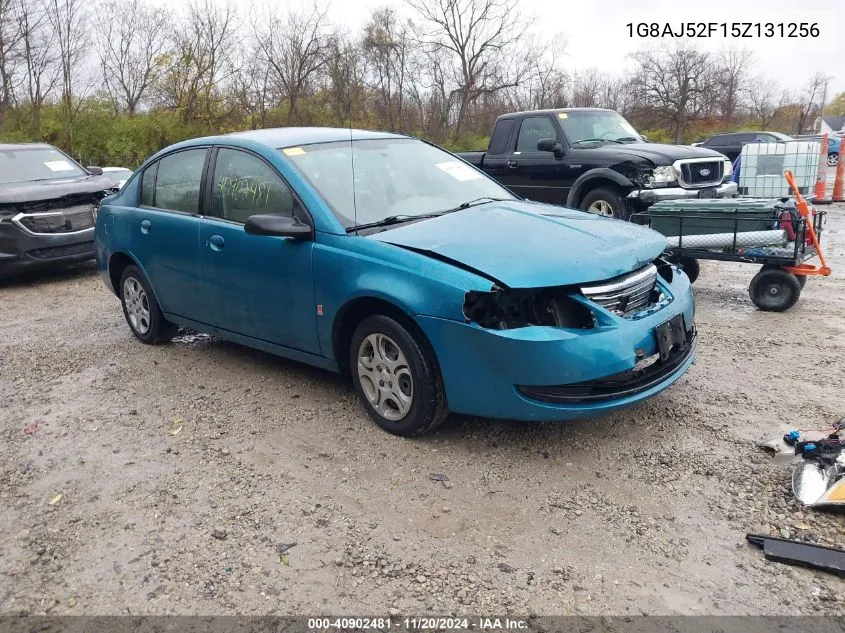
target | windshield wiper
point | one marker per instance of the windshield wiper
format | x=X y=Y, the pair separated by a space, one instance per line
x=628 y=139
x=391 y=219
x=596 y=140
x=397 y=219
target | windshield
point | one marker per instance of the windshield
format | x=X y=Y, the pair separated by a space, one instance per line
x=36 y=163
x=592 y=125
x=395 y=176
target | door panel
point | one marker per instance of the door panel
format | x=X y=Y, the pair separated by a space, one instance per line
x=531 y=173
x=257 y=285
x=166 y=232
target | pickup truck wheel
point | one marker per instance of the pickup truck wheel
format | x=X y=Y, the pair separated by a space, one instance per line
x=606 y=202
x=774 y=290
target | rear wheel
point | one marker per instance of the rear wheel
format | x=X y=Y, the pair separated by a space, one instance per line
x=774 y=289
x=396 y=377
x=141 y=309
x=833 y=160
x=607 y=202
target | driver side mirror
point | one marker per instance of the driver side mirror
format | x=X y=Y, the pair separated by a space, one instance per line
x=550 y=145
x=277 y=225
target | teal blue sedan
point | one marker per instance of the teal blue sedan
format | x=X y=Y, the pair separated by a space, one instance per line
x=393 y=261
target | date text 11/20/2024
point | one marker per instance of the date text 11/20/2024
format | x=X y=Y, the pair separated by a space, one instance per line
x=417 y=624
x=723 y=29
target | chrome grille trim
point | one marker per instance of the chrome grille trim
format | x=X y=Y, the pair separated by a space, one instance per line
x=690 y=180
x=27 y=221
x=626 y=294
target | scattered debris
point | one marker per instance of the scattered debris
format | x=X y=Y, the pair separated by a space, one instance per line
x=438 y=477
x=794 y=553
x=176 y=427
x=504 y=567
x=219 y=533
x=31 y=428
x=282 y=551
x=56 y=499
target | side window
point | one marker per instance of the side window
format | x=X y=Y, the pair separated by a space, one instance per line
x=244 y=185
x=148 y=183
x=501 y=135
x=532 y=130
x=178 y=181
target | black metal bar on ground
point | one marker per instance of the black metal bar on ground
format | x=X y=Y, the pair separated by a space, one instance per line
x=794 y=553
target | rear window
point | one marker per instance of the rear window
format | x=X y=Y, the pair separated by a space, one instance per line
x=33 y=164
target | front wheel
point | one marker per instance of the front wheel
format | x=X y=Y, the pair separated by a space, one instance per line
x=774 y=290
x=833 y=160
x=606 y=202
x=396 y=377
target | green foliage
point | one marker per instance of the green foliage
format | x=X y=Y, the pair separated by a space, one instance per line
x=837 y=105
x=658 y=135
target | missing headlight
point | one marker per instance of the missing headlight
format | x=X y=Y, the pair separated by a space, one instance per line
x=514 y=308
x=664 y=269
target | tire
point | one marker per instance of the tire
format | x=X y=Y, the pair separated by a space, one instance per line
x=802 y=279
x=689 y=265
x=774 y=290
x=607 y=202
x=832 y=160
x=141 y=310
x=414 y=378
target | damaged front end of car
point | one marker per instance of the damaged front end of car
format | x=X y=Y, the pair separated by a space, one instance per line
x=630 y=296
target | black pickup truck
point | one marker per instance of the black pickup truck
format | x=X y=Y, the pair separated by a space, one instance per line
x=593 y=159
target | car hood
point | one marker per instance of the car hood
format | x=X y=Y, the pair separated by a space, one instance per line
x=655 y=152
x=529 y=245
x=18 y=192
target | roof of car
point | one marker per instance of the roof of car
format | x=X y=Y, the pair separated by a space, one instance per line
x=14 y=146
x=553 y=111
x=290 y=136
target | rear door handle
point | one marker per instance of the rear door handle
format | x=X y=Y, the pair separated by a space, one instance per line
x=215 y=242
x=513 y=163
x=145 y=226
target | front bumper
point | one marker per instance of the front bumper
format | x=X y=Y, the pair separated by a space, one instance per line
x=507 y=373
x=650 y=196
x=21 y=250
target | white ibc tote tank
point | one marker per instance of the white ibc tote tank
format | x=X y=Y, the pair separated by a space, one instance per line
x=762 y=166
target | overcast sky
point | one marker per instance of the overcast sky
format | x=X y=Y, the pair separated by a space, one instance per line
x=597 y=35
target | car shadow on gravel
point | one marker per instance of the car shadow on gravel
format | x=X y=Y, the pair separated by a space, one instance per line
x=78 y=272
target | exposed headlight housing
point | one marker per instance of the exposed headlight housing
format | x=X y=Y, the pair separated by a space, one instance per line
x=729 y=170
x=660 y=177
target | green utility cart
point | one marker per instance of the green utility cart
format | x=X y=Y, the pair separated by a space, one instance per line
x=768 y=232
x=701 y=217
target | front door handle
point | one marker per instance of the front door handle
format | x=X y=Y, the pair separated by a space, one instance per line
x=145 y=226
x=513 y=163
x=215 y=242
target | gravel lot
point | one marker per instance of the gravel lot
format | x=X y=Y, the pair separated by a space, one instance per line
x=186 y=471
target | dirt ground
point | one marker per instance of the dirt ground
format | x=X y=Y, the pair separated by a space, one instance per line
x=187 y=471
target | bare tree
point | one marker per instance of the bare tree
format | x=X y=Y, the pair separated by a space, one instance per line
x=68 y=21
x=808 y=102
x=546 y=83
x=297 y=47
x=132 y=39
x=197 y=62
x=39 y=59
x=483 y=40
x=9 y=40
x=675 y=83
x=388 y=50
x=731 y=80
x=765 y=99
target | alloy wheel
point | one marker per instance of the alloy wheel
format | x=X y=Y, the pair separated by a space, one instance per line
x=385 y=376
x=601 y=207
x=137 y=305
